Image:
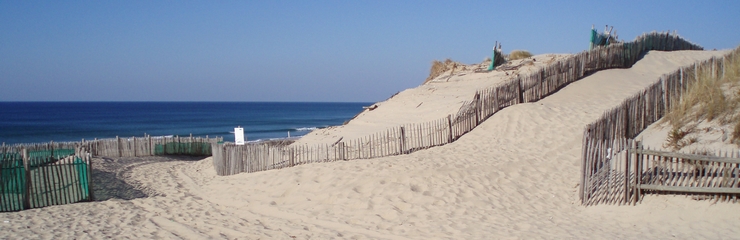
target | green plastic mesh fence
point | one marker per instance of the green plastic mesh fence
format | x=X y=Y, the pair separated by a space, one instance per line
x=183 y=149
x=50 y=184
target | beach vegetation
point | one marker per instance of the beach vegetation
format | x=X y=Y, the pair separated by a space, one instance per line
x=518 y=54
x=710 y=98
x=677 y=138
x=440 y=67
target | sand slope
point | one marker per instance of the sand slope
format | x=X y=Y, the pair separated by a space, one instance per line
x=515 y=176
x=434 y=100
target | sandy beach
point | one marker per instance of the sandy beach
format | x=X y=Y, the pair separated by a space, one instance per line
x=513 y=177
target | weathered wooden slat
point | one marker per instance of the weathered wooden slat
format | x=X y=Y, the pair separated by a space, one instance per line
x=690 y=189
x=687 y=156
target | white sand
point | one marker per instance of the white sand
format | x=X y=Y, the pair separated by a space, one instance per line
x=440 y=97
x=515 y=176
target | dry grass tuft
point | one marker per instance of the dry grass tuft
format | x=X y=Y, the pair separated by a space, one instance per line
x=711 y=98
x=677 y=138
x=519 y=54
x=440 y=67
x=708 y=97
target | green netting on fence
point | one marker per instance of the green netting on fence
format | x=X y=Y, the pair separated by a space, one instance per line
x=8 y=158
x=183 y=149
x=12 y=187
x=51 y=184
x=36 y=158
x=12 y=182
x=82 y=173
x=51 y=153
x=599 y=39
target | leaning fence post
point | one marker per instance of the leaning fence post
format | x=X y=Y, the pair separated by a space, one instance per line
x=27 y=180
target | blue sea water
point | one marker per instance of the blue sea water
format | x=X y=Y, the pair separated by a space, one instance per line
x=32 y=122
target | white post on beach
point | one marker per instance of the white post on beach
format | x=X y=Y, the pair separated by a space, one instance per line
x=239 y=135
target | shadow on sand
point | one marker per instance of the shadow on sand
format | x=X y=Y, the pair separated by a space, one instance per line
x=109 y=176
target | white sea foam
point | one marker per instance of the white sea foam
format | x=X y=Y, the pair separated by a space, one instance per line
x=306 y=129
x=160 y=137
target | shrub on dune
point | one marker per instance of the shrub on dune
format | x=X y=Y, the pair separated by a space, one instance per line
x=519 y=54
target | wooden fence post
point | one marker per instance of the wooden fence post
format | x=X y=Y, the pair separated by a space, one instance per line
x=27 y=187
x=495 y=100
x=134 y=139
x=477 y=108
x=402 y=140
x=584 y=159
x=90 y=195
x=292 y=157
x=664 y=89
x=520 y=97
x=449 y=128
x=626 y=176
x=118 y=144
x=342 y=151
x=638 y=173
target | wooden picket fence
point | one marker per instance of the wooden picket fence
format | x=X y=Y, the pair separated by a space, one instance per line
x=125 y=147
x=44 y=174
x=231 y=159
x=32 y=178
x=151 y=146
x=713 y=177
x=610 y=159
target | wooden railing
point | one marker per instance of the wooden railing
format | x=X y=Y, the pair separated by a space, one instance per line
x=687 y=173
x=631 y=173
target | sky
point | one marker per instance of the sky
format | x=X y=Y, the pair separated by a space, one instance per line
x=301 y=51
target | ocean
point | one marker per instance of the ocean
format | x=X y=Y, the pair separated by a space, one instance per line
x=35 y=122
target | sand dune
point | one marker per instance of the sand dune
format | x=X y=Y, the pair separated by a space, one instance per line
x=514 y=176
x=440 y=97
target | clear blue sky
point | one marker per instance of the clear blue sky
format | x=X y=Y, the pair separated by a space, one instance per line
x=300 y=50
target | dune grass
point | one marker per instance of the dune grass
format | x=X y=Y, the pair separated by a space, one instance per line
x=439 y=67
x=519 y=54
x=709 y=98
